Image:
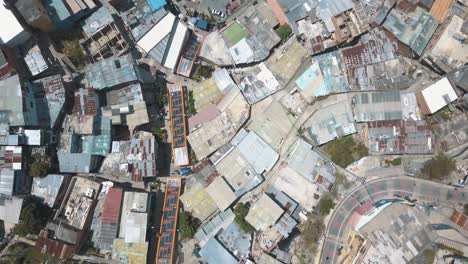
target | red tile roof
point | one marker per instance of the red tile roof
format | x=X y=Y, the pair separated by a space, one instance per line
x=111 y=210
x=459 y=219
x=278 y=11
x=52 y=247
x=364 y=208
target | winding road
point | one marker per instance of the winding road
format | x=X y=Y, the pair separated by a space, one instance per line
x=376 y=190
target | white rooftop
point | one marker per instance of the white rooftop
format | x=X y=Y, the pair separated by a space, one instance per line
x=439 y=94
x=10 y=209
x=157 y=33
x=259 y=154
x=33 y=137
x=10 y=25
x=181 y=156
x=133 y=221
x=176 y=46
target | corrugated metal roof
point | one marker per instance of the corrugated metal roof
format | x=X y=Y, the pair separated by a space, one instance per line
x=374 y=106
x=49 y=106
x=142 y=156
x=96 y=145
x=47 y=188
x=159 y=31
x=85 y=102
x=109 y=219
x=76 y=162
x=97 y=20
x=209 y=229
x=413 y=29
x=258 y=153
x=111 y=211
x=35 y=61
x=11 y=101
x=11 y=157
x=7 y=177
x=10 y=209
x=441 y=9
x=143 y=19
x=52 y=247
x=177 y=43
x=213 y=252
x=112 y=71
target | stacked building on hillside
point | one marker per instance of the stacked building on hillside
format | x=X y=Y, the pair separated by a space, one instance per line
x=68 y=229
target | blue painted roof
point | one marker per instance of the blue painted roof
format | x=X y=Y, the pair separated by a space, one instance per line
x=203 y=24
x=156 y=4
x=213 y=252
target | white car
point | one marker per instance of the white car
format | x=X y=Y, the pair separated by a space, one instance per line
x=218 y=13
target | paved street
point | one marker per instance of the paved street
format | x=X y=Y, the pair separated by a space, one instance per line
x=384 y=188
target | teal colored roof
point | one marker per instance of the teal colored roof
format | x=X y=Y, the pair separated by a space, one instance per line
x=309 y=76
x=415 y=32
x=58 y=6
x=75 y=162
x=102 y=126
x=156 y=4
x=111 y=72
x=97 y=145
x=326 y=75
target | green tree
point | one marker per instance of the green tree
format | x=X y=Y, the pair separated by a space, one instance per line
x=241 y=210
x=202 y=72
x=284 y=32
x=38 y=168
x=163 y=99
x=429 y=255
x=73 y=50
x=191 y=102
x=310 y=233
x=187 y=225
x=34 y=216
x=341 y=180
x=326 y=204
x=439 y=167
x=344 y=151
x=394 y=162
x=159 y=133
x=22 y=253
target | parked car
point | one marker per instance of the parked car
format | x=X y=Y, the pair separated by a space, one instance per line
x=218 y=13
x=233 y=6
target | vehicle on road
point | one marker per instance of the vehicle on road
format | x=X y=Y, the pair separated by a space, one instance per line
x=232 y=7
x=218 y=13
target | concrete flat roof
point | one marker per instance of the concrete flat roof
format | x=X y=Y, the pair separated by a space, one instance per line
x=297 y=187
x=234 y=111
x=197 y=201
x=272 y=124
x=221 y=193
x=439 y=94
x=264 y=213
